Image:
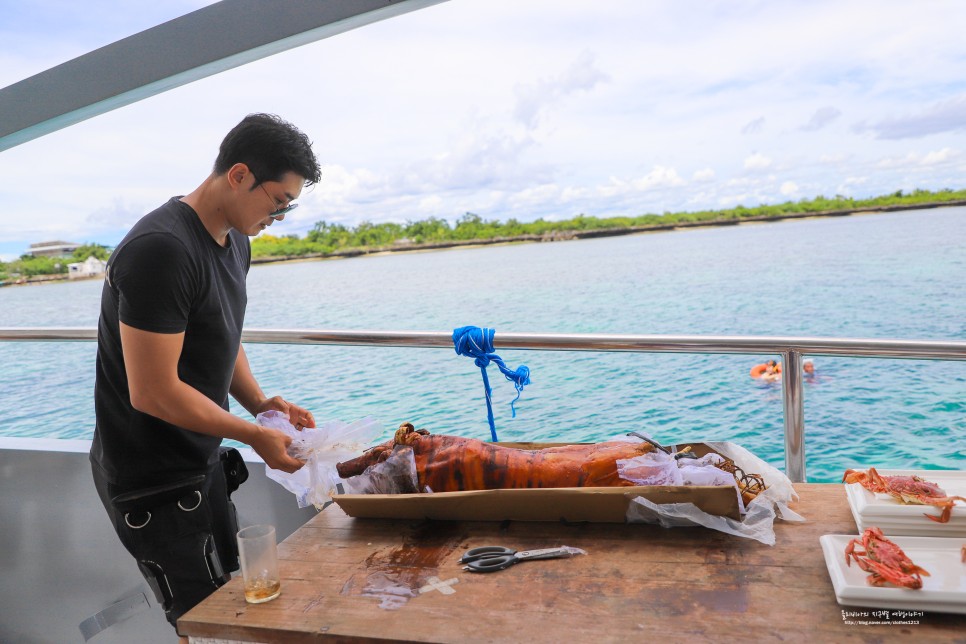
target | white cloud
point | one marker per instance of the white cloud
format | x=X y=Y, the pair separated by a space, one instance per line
x=847 y=188
x=730 y=201
x=549 y=193
x=705 y=174
x=757 y=161
x=789 y=189
x=909 y=159
x=432 y=203
x=535 y=97
x=572 y=194
x=940 y=156
x=659 y=177
x=912 y=159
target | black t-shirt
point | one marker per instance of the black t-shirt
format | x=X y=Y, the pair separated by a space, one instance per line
x=168 y=275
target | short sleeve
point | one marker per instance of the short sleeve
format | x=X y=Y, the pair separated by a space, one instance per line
x=156 y=280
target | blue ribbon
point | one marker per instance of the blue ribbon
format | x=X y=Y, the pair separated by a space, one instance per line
x=477 y=343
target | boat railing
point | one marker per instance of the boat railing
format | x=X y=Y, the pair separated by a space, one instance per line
x=792 y=349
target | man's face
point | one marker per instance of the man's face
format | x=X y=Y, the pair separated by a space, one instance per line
x=265 y=200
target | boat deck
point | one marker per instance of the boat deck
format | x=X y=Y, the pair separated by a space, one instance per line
x=346 y=580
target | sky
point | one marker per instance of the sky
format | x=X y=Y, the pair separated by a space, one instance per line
x=516 y=109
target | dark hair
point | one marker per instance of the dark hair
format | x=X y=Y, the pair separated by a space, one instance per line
x=270 y=147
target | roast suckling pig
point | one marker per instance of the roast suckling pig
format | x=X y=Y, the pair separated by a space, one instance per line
x=451 y=463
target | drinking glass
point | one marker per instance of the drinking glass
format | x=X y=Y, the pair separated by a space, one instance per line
x=259 y=562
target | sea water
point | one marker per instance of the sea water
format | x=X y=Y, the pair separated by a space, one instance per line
x=884 y=276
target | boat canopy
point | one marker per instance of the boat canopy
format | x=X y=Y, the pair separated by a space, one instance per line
x=205 y=42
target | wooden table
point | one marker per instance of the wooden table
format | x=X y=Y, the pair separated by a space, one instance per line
x=351 y=580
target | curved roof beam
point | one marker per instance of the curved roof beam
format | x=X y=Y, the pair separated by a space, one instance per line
x=199 y=44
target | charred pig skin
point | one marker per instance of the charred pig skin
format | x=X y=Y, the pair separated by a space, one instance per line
x=452 y=463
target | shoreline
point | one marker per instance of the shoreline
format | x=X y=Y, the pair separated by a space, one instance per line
x=48 y=279
x=557 y=236
x=569 y=235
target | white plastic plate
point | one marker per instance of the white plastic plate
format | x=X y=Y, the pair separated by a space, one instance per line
x=893 y=517
x=943 y=591
x=902 y=529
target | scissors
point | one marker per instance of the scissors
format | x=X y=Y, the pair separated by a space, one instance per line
x=493 y=558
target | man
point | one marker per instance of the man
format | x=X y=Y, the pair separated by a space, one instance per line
x=169 y=353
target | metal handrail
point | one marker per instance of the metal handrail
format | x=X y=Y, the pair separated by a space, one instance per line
x=792 y=349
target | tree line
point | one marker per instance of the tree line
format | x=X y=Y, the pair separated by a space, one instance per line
x=328 y=239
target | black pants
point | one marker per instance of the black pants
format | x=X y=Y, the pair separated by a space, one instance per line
x=182 y=534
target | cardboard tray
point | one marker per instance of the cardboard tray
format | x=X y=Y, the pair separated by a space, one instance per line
x=593 y=504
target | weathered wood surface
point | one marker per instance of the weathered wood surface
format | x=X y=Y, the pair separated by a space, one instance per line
x=351 y=580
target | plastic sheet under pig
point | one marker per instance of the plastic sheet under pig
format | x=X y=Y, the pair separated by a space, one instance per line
x=758 y=517
x=321 y=448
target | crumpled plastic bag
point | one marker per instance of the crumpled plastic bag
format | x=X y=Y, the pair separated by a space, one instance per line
x=660 y=468
x=395 y=475
x=757 y=518
x=321 y=448
x=652 y=468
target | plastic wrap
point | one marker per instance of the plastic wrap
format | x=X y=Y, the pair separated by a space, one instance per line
x=395 y=475
x=758 y=517
x=321 y=448
x=659 y=468
x=653 y=468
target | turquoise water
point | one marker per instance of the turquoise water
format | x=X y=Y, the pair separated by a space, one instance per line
x=875 y=276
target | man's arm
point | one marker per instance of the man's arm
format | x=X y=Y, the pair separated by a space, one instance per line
x=151 y=361
x=244 y=388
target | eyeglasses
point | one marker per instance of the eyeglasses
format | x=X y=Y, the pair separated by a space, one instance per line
x=279 y=212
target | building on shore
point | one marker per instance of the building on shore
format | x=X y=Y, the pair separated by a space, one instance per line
x=53 y=249
x=90 y=267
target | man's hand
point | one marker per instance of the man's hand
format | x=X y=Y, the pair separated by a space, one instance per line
x=272 y=446
x=298 y=416
x=275 y=443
